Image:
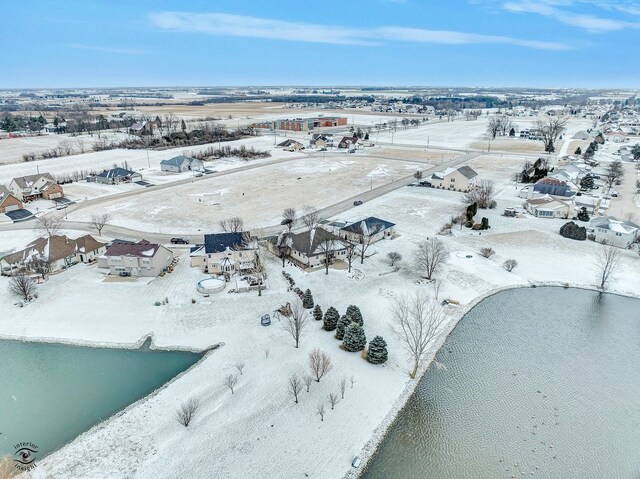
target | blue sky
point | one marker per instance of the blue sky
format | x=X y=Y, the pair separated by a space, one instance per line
x=543 y=43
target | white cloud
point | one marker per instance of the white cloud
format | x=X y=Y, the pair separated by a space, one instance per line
x=222 y=24
x=592 y=23
x=123 y=51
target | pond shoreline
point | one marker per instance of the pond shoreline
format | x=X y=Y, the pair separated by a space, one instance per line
x=372 y=446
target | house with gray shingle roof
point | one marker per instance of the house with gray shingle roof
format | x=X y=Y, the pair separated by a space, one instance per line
x=310 y=248
x=115 y=176
x=180 y=164
x=368 y=230
x=136 y=259
x=33 y=187
x=463 y=178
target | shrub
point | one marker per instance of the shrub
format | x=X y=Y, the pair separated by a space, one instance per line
x=377 y=353
x=485 y=223
x=331 y=318
x=354 y=314
x=573 y=231
x=510 y=264
x=487 y=252
x=354 y=338
x=187 y=410
x=342 y=326
x=307 y=300
x=317 y=313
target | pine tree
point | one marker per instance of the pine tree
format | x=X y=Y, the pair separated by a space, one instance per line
x=353 y=312
x=354 y=338
x=342 y=326
x=317 y=313
x=377 y=353
x=331 y=318
x=307 y=300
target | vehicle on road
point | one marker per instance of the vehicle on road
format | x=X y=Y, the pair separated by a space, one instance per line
x=179 y=241
x=357 y=203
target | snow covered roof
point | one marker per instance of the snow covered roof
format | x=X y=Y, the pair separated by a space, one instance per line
x=308 y=242
x=465 y=171
x=27 y=182
x=54 y=248
x=178 y=160
x=368 y=226
x=116 y=173
x=613 y=224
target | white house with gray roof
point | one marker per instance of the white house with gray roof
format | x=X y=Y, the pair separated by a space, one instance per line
x=463 y=178
x=180 y=164
x=610 y=230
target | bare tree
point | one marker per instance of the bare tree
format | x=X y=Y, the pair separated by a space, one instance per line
x=319 y=363
x=283 y=245
x=437 y=286
x=493 y=126
x=606 y=263
x=307 y=381
x=49 y=225
x=394 y=257
x=320 y=411
x=187 y=410
x=230 y=381
x=294 y=386
x=505 y=125
x=327 y=246
x=239 y=365
x=99 y=220
x=416 y=321
x=66 y=146
x=487 y=252
x=288 y=218
x=234 y=224
x=22 y=285
x=343 y=386
x=431 y=256
x=259 y=268
x=351 y=252
x=363 y=246
x=310 y=217
x=614 y=173
x=550 y=130
x=510 y=265
x=81 y=145
x=297 y=321
x=41 y=265
x=333 y=399
x=171 y=122
x=483 y=195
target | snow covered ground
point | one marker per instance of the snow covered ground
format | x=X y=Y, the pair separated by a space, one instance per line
x=259 y=431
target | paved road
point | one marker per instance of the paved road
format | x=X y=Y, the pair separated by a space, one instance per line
x=335 y=209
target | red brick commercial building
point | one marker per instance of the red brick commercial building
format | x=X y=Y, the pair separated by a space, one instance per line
x=303 y=124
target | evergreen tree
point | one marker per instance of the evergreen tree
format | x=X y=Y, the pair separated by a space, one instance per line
x=354 y=338
x=587 y=182
x=331 y=318
x=377 y=353
x=317 y=313
x=342 y=326
x=354 y=314
x=578 y=151
x=307 y=300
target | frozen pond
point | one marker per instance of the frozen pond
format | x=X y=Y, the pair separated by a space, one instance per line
x=536 y=383
x=51 y=393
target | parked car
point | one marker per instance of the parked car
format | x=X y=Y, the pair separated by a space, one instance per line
x=265 y=320
x=199 y=174
x=357 y=203
x=179 y=241
x=614 y=194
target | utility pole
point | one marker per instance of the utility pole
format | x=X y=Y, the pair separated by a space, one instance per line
x=148 y=160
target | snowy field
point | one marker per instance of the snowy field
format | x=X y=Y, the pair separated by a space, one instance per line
x=263 y=429
x=258 y=196
x=12 y=149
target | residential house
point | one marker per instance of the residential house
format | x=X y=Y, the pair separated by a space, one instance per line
x=35 y=187
x=548 y=206
x=614 y=231
x=180 y=164
x=8 y=202
x=142 y=128
x=348 y=142
x=463 y=178
x=291 y=145
x=138 y=259
x=225 y=253
x=368 y=230
x=117 y=176
x=554 y=186
x=311 y=248
x=57 y=252
x=321 y=141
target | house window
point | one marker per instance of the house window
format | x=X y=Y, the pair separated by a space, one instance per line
x=453 y=180
x=545 y=213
